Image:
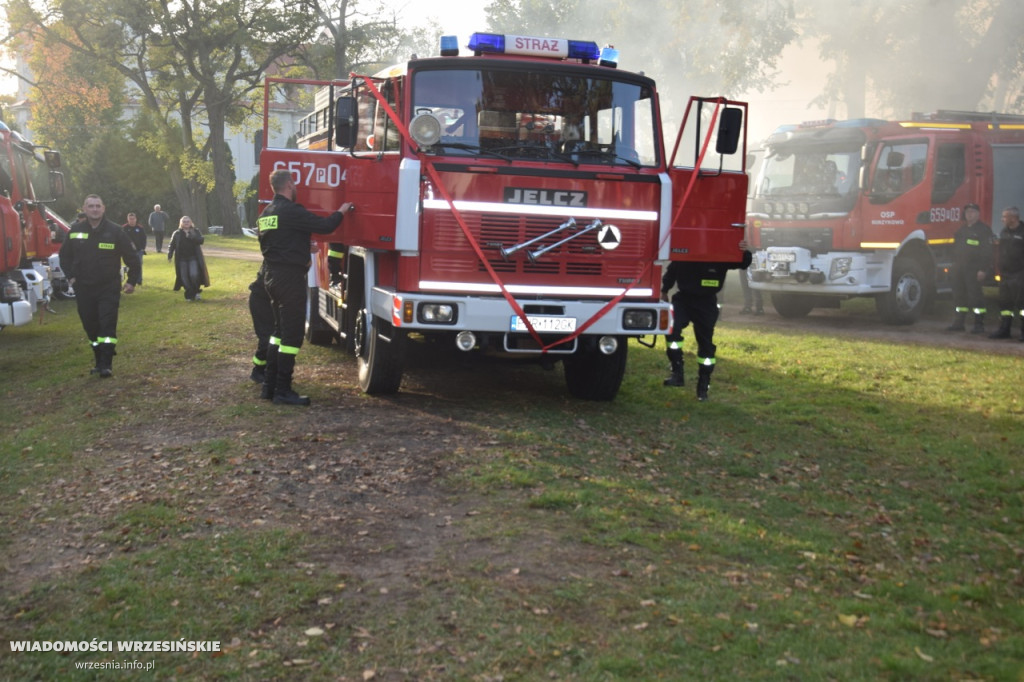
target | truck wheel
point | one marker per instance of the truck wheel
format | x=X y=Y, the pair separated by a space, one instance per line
x=792 y=306
x=591 y=375
x=906 y=300
x=318 y=332
x=64 y=291
x=378 y=348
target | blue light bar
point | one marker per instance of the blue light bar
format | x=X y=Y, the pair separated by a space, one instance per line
x=583 y=49
x=487 y=42
x=449 y=46
x=558 y=48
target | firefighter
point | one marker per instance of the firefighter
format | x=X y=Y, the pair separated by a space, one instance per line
x=285 y=228
x=696 y=301
x=262 y=325
x=91 y=258
x=1011 y=273
x=972 y=263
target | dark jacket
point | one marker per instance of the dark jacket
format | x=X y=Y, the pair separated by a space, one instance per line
x=972 y=248
x=186 y=246
x=285 y=228
x=137 y=234
x=695 y=278
x=92 y=256
x=1011 y=250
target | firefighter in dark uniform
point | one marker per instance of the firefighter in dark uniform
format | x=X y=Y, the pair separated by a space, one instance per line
x=1011 y=273
x=972 y=264
x=262 y=325
x=285 y=228
x=696 y=301
x=91 y=258
x=336 y=262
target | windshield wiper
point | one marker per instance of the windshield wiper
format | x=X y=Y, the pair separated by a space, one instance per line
x=535 y=150
x=473 y=148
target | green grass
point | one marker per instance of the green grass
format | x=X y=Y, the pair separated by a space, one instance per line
x=840 y=509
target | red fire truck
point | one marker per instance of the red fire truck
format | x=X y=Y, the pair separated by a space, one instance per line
x=517 y=201
x=869 y=207
x=30 y=233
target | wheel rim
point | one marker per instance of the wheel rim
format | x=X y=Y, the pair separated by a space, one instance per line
x=908 y=293
x=359 y=343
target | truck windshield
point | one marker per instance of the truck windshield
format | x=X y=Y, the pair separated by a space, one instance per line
x=826 y=178
x=557 y=116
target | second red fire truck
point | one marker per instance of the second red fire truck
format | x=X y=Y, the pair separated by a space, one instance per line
x=518 y=200
x=30 y=233
x=869 y=207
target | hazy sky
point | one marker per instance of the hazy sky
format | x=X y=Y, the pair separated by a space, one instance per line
x=787 y=104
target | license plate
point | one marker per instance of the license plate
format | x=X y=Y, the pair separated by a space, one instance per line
x=543 y=323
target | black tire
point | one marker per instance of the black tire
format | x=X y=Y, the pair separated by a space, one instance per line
x=908 y=296
x=318 y=332
x=792 y=306
x=64 y=291
x=379 y=355
x=591 y=375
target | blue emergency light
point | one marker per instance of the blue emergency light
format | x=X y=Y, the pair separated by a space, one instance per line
x=495 y=43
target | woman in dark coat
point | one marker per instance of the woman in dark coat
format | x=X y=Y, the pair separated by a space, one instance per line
x=189 y=264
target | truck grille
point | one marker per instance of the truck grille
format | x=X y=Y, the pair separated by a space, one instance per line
x=816 y=240
x=445 y=247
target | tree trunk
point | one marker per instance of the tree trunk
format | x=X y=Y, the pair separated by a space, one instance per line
x=223 y=175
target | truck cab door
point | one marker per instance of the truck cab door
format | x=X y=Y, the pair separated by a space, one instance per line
x=709 y=182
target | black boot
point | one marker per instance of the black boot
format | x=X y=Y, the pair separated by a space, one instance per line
x=283 y=393
x=1004 y=328
x=106 y=360
x=270 y=374
x=957 y=325
x=675 y=359
x=258 y=373
x=95 y=359
x=704 y=381
x=979 y=323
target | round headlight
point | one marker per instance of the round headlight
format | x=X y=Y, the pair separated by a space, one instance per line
x=425 y=130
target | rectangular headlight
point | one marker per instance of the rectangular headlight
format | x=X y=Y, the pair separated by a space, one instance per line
x=639 y=319
x=437 y=313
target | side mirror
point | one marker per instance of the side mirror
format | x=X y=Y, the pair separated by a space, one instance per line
x=730 y=126
x=56 y=184
x=345 y=122
x=52 y=159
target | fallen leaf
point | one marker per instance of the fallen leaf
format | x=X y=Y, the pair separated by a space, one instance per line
x=922 y=655
x=848 y=621
x=314 y=632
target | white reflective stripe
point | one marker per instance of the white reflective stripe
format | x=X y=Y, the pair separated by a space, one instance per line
x=531 y=289
x=532 y=209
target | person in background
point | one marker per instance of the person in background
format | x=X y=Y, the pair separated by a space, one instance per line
x=262 y=325
x=972 y=263
x=1011 y=273
x=285 y=229
x=137 y=234
x=753 y=302
x=696 y=300
x=158 y=223
x=189 y=264
x=91 y=258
